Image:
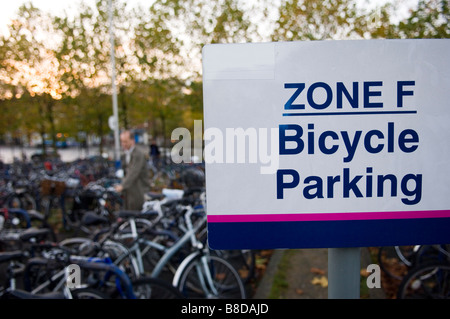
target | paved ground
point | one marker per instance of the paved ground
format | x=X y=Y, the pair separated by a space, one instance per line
x=306 y=275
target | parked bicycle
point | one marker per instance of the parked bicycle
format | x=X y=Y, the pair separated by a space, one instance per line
x=195 y=271
x=423 y=271
x=42 y=267
x=430 y=277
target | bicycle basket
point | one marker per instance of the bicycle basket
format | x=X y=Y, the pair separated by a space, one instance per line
x=52 y=187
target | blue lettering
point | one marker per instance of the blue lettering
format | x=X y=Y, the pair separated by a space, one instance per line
x=350 y=185
x=322 y=145
x=317 y=187
x=310 y=95
x=313 y=187
x=368 y=93
x=350 y=146
x=290 y=103
x=367 y=139
x=281 y=185
x=401 y=92
x=283 y=138
x=390 y=137
x=380 y=188
x=340 y=88
x=403 y=139
x=416 y=192
x=374 y=141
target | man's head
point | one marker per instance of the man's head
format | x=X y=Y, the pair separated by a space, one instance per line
x=126 y=140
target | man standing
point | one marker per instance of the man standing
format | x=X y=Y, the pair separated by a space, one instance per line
x=136 y=181
x=154 y=153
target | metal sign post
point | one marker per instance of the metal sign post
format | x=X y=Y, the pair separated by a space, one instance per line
x=114 y=91
x=344 y=273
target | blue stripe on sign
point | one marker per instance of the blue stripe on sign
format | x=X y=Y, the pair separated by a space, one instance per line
x=329 y=234
x=350 y=113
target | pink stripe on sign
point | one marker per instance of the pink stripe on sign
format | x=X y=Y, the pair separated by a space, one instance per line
x=327 y=216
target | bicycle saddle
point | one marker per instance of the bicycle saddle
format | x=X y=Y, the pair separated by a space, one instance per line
x=33 y=232
x=91 y=218
x=11 y=255
x=129 y=213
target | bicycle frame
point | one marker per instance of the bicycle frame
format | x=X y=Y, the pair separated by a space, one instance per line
x=203 y=270
x=19 y=212
x=168 y=253
x=88 y=263
x=105 y=264
x=209 y=284
x=189 y=235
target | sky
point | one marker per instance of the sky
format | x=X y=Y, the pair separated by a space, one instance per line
x=9 y=8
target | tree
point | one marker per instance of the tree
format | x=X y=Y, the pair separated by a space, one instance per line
x=431 y=19
x=193 y=97
x=84 y=55
x=195 y=23
x=152 y=55
x=317 y=20
x=163 y=104
x=28 y=64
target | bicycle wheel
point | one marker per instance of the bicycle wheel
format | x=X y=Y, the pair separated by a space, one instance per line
x=154 y=288
x=427 y=281
x=122 y=257
x=47 y=204
x=80 y=245
x=396 y=260
x=87 y=293
x=124 y=231
x=28 y=202
x=117 y=252
x=24 y=201
x=210 y=277
x=432 y=253
x=242 y=260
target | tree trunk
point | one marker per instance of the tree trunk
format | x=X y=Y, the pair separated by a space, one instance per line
x=51 y=121
x=163 y=122
x=124 y=107
x=42 y=128
x=100 y=132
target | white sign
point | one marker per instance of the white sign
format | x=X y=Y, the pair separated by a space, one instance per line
x=300 y=132
x=112 y=123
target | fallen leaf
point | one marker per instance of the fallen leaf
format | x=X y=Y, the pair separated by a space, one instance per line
x=323 y=281
x=364 y=273
x=220 y=276
x=317 y=271
x=299 y=291
x=266 y=252
x=243 y=273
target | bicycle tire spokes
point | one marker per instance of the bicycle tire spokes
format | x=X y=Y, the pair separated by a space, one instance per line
x=428 y=281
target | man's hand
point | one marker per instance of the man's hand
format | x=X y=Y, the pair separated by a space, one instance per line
x=118 y=188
